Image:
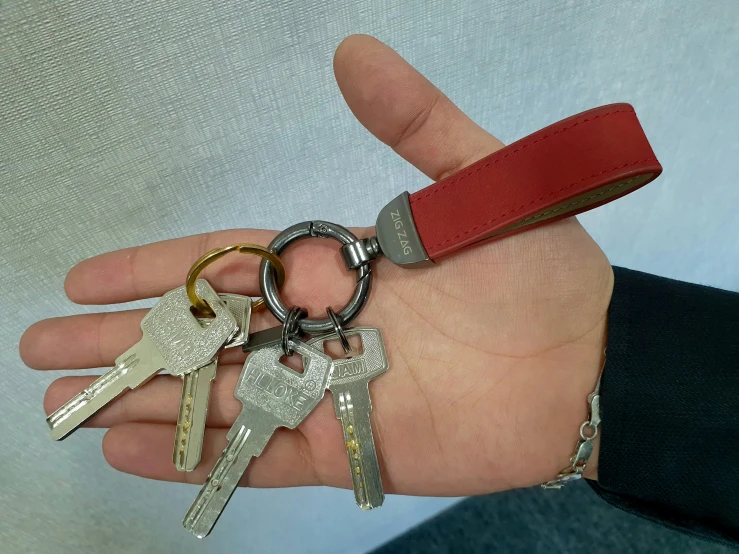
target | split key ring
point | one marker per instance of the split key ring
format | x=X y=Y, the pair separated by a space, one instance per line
x=206 y=259
x=268 y=283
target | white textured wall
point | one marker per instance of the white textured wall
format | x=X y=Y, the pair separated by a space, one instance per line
x=129 y=121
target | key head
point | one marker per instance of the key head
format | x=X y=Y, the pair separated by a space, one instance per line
x=181 y=340
x=365 y=366
x=282 y=392
x=240 y=308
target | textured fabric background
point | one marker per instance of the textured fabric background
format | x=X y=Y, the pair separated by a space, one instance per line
x=124 y=122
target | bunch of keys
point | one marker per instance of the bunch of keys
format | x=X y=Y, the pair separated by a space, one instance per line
x=569 y=167
x=175 y=340
x=274 y=395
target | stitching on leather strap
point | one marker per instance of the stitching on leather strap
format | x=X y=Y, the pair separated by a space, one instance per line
x=524 y=206
x=519 y=149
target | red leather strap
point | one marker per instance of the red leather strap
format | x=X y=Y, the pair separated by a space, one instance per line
x=569 y=167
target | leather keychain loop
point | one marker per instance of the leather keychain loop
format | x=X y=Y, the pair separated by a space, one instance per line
x=572 y=166
x=562 y=170
x=208 y=258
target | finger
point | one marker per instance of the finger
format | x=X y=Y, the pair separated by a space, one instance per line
x=404 y=110
x=156 y=402
x=80 y=341
x=145 y=449
x=96 y=340
x=153 y=269
x=156 y=268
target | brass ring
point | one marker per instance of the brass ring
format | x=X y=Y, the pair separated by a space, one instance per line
x=206 y=259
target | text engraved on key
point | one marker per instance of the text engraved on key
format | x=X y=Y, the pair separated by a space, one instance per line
x=182 y=341
x=284 y=393
x=371 y=363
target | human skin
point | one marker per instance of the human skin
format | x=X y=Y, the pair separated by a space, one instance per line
x=492 y=351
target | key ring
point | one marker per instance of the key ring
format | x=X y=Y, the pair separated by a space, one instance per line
x=339 y=330
x=291 y=326
x=278 y=273
x=268 y=285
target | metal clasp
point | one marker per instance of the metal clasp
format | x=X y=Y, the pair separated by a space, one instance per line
x=361 y=252
x=397 y=238
x=268 y=285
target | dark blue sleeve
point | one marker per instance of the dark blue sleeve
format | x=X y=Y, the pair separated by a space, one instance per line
x=669 y=447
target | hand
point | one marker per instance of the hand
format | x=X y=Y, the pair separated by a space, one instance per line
x=492 y=352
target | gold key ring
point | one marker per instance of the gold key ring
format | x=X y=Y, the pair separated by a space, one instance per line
x=206 y=259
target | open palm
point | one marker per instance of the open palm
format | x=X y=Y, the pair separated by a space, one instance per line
x=492 y=353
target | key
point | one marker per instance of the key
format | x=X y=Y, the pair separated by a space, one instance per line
x=349 y=386
x=240 y=308
x=273 y=395
x=196 y=385
x=172 y=339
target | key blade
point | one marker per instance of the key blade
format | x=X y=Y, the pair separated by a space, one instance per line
x=188 y=444
x=136 y=366
x=246 y=442
x=349 y=386
x=353 y=409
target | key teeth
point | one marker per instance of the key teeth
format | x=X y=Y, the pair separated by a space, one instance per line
x=191 y=419
x=183 y=466
x=352 y=410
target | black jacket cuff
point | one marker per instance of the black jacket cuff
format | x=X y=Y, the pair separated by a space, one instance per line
x=669 y=446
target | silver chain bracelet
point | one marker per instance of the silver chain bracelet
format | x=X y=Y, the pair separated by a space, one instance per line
x=584 y=447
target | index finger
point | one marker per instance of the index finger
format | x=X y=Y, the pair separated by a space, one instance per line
x=151 y=270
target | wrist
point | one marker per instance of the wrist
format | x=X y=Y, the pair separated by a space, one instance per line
x=583 y=460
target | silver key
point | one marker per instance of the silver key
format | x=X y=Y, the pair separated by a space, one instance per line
x=240 y=308
x=273 y=395
x=173 y=339
x=196 y=385
x=349 y=386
